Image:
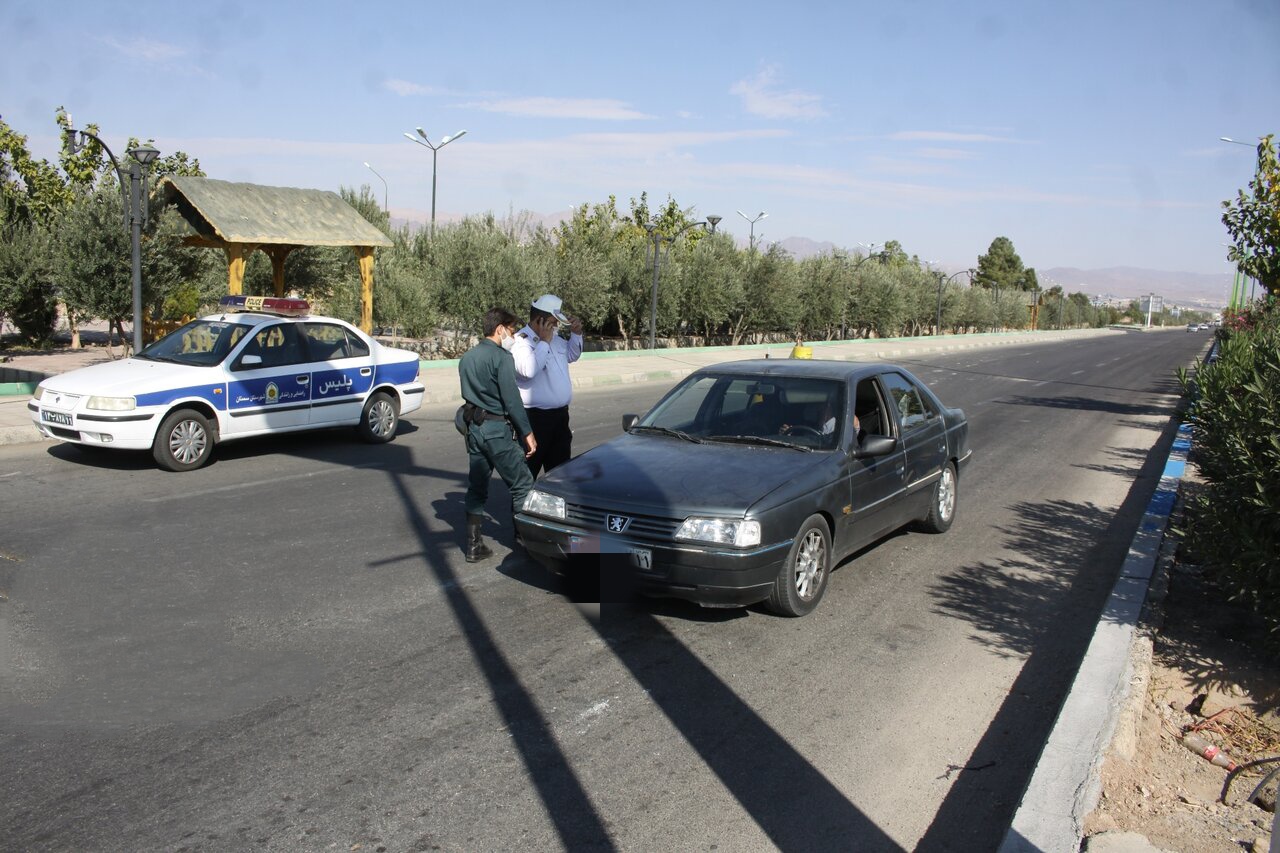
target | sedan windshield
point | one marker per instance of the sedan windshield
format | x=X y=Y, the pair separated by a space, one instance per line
x=765 y=410
x=200 y=343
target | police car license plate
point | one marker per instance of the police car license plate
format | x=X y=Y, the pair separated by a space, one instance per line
x=643 y=558
x=55 y=417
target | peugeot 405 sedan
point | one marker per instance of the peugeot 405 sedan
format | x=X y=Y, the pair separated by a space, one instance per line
x=264 y=365
x=750 y=480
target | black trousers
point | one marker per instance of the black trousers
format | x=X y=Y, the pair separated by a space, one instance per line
x=555 y=439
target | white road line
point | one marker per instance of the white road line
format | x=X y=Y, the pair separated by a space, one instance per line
x=253 y=484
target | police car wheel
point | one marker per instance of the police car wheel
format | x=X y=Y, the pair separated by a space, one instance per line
x=380 y=419
x=184 y=441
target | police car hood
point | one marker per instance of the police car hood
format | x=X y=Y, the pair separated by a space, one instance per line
x=661 y=475
x=131 y=377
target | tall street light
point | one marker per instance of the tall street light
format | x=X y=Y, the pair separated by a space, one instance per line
x=658 y=239
x=135 y=208
x=1237 y=286
x=942 y=280
x=759 y=216
x=435 y=150
x=384 y=189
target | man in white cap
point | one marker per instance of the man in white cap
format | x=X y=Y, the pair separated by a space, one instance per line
x=542 y=360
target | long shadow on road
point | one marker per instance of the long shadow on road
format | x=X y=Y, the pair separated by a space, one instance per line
x=1038 y=606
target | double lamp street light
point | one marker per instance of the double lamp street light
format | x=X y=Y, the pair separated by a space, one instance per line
x=435 y=150
x=135 y=207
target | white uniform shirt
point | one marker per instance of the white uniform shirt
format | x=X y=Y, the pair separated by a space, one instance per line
x=542 y=368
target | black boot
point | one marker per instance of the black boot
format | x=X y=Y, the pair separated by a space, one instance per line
x=476 y=549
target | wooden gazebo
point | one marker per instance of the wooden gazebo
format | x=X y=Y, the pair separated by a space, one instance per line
x=239 y=218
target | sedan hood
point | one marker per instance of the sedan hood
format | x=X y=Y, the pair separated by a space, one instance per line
x=130 y=378
x=668 y=476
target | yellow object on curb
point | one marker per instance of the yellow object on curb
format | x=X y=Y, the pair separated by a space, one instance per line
x=801 y=351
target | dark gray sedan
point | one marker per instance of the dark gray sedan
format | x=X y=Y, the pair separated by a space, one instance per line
x=749 y=480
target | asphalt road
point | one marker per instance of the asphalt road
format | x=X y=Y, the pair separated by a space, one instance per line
x=286 y=651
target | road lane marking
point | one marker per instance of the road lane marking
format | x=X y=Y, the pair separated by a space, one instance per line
x=253 y=484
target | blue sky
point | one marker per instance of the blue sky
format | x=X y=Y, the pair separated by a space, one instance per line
x=1087 y=133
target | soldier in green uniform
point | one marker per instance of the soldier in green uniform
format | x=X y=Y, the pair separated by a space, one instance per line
x=488 y=378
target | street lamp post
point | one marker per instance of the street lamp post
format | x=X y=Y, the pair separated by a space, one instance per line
x=384 y=189
x=658 y=239
x=1237 y=286
x=135 y=208
x=759 y=216
x=941 y=281
x=844 y=306
x=435 y=150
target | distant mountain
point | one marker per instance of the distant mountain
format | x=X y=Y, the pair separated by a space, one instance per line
x=1199 y=289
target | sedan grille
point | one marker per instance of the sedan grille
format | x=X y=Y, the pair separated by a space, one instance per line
x=640 y=527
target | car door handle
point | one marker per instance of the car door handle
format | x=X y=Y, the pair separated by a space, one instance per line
x=303 y=379
x=366 y=371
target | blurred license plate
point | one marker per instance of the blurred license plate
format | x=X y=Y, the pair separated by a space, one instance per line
x=55 y=417
x=643 y=558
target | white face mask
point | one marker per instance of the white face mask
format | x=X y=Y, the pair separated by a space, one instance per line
x=508 y=342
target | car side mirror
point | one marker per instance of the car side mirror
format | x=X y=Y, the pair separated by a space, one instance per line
x=628 y=421
x=875 y=445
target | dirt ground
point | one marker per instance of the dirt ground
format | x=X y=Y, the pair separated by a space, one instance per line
x=1208 y=671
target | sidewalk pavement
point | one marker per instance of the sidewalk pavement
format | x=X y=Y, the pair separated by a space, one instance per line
x=20 y=374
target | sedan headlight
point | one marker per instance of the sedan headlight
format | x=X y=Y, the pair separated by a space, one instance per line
x=111 y=404
x=541 y=503
x=38 y=393
x=721 y=531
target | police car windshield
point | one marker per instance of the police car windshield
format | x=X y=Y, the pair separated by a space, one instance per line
x=200 y=343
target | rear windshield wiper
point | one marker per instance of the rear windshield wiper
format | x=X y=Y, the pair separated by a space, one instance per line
x=668 y=431
x=759 y=439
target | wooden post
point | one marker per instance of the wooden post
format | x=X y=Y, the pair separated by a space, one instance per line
x=278 y=254
x=365 y=255
x=237 y=253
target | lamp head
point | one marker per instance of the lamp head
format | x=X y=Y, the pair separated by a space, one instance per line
x=714 y=220
x=144 y=154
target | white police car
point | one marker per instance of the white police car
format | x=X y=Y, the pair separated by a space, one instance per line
x=265 y=365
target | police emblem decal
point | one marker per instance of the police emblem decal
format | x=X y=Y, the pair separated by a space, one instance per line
x=273 y=393
x=617 y=523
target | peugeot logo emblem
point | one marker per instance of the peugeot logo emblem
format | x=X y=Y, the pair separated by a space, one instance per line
x=616 y=523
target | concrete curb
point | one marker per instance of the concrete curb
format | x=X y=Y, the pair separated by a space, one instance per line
x=1066 y=783
x=664 y=365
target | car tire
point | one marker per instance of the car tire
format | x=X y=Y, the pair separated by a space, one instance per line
x=942 y=506
x=380 y=418
x=803 y=578
x=184 y=441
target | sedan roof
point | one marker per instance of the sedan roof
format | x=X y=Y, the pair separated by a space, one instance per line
x=799 y=367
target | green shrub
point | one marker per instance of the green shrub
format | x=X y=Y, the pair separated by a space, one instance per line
x=1234 y=524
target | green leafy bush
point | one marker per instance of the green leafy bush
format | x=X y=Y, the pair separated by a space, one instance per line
x=1234 y=524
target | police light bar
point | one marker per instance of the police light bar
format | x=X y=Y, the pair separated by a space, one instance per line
x=282 y=305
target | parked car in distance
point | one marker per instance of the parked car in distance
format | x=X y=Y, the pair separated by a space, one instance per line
x=264 y=365
x=750 y=480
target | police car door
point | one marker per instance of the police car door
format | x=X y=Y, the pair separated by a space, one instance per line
x=270 y=383
x=341 y=372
